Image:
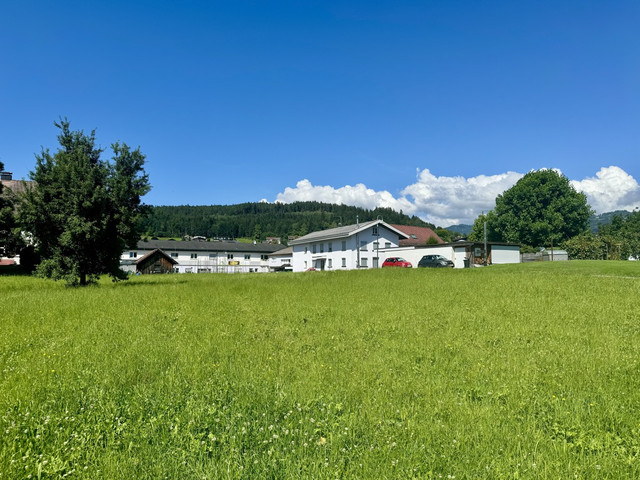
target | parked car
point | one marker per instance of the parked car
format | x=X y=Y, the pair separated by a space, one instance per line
x=436 y=261
x=396 y=262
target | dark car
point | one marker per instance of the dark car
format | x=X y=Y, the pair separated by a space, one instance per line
x=396 y=262
x=437 y=261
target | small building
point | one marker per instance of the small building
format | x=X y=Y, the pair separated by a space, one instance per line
x=554 y=255
x=281 y=261
x=155 y=261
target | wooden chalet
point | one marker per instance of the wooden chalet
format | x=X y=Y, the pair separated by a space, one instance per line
x=156 y=261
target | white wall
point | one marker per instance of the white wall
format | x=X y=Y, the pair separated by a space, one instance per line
x=505 y=254
x=413 y=254
x=331 y=252
x=209 y=261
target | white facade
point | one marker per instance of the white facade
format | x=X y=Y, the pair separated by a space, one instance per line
x=281 y=260
x=458 y=252
x=208 y=257
x=345 y=248
x=505 y=254
x=414 y=254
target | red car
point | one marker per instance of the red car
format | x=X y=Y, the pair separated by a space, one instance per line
x=396 y=262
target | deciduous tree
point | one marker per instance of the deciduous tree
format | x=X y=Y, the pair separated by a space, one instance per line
x=542 y=208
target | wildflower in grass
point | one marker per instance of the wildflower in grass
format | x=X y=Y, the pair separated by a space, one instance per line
x=322 y=441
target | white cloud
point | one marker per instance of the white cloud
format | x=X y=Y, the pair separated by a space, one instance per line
x=611 y=189
x=448 y=201
x=357 y=195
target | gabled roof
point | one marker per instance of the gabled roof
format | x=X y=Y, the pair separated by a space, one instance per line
x=417 y=235
x=288 y=251
x=344 y=232
x=152 y=253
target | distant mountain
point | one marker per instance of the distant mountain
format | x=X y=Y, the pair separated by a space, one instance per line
x=594 y=222
x=461 y=228
x=605 y=218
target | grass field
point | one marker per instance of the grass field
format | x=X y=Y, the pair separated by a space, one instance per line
x=521 y=371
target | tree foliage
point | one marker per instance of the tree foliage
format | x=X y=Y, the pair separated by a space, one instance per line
x=83 y=211
x=622 y=236
x=261 y=220
x=542 y=208
x=9 y=237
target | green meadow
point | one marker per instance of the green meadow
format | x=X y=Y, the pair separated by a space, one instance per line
x=519 y=371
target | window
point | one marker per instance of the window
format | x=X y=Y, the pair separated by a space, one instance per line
x=329 y=263
x=363 y=262
x=313 y=248
x=247 y=256
x=174 y=254
x=387 y=244
x=133 y=254
x=322 y=248
x=212 y=256
x=330 y=247
x=306 y=249
x=374 y=230
x=375 y=262
x=264 y=257
x=344 y=262
x=376 y=245
x=194 y=255
x=363 y=245
x=344 y=245
x=229 y=256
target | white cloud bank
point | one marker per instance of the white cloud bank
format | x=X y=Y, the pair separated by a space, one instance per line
x=448 y=201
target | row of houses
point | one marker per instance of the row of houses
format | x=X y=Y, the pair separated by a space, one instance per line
x=360 y=246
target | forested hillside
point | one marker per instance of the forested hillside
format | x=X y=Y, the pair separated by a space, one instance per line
x=261 y=220
x=596 y=221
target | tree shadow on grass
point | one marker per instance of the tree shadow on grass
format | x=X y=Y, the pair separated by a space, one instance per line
x=13 y=271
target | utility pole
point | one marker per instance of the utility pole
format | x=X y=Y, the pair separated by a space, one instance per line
x=485 y=243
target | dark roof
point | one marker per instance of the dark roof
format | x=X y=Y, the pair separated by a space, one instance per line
x=199 y=246
x=417 y=235
x=153 y=253
x=284 y=251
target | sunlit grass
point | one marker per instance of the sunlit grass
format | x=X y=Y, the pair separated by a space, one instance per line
x=526 y=371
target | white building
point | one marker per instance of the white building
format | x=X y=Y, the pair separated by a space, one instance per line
x=345 y=248
x=206 y=257
x=281 y=260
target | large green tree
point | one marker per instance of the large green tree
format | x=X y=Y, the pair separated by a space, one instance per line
x=542 y=208
x=82 y=210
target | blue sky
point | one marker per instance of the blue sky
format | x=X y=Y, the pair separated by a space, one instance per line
x=432 y=107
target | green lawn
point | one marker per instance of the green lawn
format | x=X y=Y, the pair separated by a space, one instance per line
x=520 y=371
